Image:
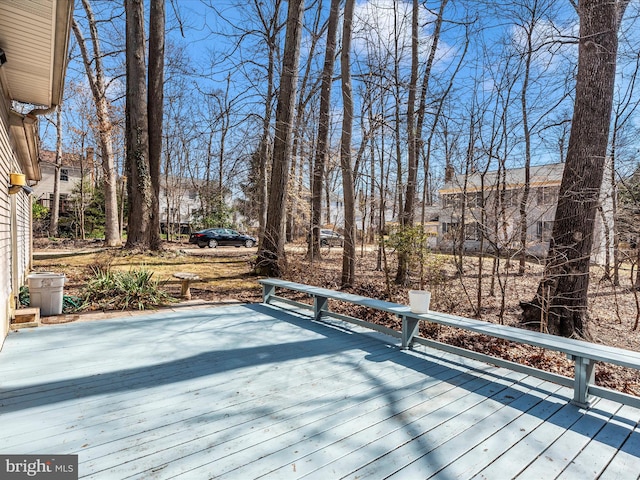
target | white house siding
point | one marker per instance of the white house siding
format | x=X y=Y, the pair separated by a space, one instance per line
x=15 y=229
x=43 y=190
x=23 y=237
x=541 y=207
x=7 y=161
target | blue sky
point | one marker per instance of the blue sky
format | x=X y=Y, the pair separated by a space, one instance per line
x=209 y=40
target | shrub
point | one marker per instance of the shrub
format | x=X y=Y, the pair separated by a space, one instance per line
x=135 y=289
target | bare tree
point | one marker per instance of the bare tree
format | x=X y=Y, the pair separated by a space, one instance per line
x=415 y=122
x=322 y=149
x=407 y=211
x=139 y=188
x=155 y=102
x=566 y=278
x=93 y=64
x=55 y=203
x=303 y=130
x=349 y=251
x=271 y=253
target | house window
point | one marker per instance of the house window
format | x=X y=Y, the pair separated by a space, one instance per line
x=65 y=204
x=547 y=195
x=449 y=229
x=472 y=231
x=192 y=194
x=512 y=198
x=474 y=199
x=452 y=200
x=64 y=175
x=544 y=230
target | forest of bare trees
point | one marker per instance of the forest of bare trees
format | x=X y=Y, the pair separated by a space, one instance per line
x=394 y=122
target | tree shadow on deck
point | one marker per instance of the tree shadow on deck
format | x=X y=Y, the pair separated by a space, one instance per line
x=231 y=326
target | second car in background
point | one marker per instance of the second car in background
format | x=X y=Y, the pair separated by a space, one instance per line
x=214 y=237
x=330 y=238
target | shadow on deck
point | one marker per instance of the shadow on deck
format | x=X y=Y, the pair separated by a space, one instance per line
x=250 y=390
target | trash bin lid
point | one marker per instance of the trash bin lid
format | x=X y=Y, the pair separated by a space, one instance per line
x=45 y=275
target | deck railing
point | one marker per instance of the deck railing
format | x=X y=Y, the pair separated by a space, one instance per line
x=584 y=354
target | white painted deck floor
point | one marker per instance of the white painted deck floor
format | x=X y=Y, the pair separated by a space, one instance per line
x=249 y=391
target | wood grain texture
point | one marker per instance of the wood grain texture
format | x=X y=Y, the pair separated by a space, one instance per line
x=251 y=391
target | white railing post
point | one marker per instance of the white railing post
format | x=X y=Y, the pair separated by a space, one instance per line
x=584 y=376
x=268 y=291
x=410 y=329
x=320 y=304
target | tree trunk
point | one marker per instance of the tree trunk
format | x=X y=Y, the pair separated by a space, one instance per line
x=55 y=201
x=527 y=146
x=566 y=278
x=271 y=256
x=272 y=31
x=323 y=130
x=407 y=211
x=96 y=78
x=349 y=251
x=137 y=133
x=155 y=102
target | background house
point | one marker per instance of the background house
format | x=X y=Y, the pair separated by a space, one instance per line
x=500 y=193
x=179 y=204
x=32 y=72
x=72 y=169
x=179 y=199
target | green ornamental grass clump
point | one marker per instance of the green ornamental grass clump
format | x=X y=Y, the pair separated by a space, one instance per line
x=115 y=290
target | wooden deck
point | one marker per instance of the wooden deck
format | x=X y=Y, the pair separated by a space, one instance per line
x=250 y=391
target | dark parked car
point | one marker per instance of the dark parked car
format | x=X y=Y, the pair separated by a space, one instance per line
x=330 y=238
x=212 y=237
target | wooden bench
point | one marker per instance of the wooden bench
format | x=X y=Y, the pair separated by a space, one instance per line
x=583 y=354
x=185 y=284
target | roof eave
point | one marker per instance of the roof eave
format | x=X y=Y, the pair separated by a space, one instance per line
x=64 y=17
x=24 y=132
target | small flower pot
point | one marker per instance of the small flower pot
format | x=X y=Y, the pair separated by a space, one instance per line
x=419 y=301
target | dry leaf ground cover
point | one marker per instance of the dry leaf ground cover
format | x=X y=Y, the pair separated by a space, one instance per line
x=226 y=274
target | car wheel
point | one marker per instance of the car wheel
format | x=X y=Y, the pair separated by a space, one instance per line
x=324 y=243
x=213 y=243
x=248 y=243
x=202 y=245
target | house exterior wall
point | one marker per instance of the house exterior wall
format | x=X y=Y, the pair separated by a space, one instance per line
x=501 y=221
x=43 y=190
x=15 y=227
x=6 y=163
x=179 y=201
x=22 y=79
x=23 y=236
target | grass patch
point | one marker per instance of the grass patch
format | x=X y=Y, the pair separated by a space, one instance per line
x=225 y=272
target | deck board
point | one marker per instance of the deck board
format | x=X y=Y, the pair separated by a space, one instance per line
x=251 y=391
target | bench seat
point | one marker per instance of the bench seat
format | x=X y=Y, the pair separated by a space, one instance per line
x=583 y=353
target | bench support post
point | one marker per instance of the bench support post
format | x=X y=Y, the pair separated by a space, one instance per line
x=409 y=330
x=185 y=290
x=268 y=291
x=584 y=375
x=320 y=304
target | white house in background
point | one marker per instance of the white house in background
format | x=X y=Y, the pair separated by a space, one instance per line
x=501 y=221
x=34 y=39
x=179 y=200
x=72 y=169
